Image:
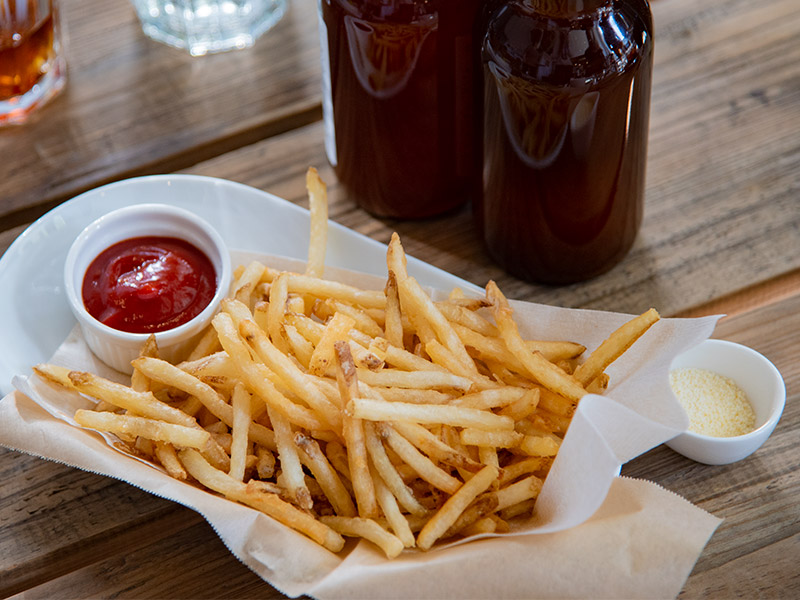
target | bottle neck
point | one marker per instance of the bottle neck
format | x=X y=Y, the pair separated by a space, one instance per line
x=566 y=8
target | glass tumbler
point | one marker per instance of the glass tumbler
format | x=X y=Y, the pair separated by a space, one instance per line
x=32 y=64
x=208 y=26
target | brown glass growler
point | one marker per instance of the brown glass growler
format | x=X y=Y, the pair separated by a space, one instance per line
x=399 y=101
x=566 y=110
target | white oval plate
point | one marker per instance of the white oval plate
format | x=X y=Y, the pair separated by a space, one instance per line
x=34 y=315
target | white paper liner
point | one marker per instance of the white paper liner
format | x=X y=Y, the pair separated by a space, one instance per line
x=643 y=540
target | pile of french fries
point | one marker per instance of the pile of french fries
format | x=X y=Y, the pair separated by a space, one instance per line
x=346 y=412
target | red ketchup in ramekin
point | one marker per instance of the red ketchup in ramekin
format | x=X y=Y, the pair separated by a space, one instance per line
x=148 y=284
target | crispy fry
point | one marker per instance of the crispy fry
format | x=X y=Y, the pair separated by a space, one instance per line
x=494 y=398
x=139 y=403
x=458 y=313
x=483 y=506
x=246 y=283
x=524 y=489
x=139 y=381
x=169 y=374
x=377 y=410
x=413 y=298
x=535 y=364
x=304 y=284
x=538 y=445
x=278 y=296
x=291 y=374
x=397 y=521
x=166 y=454
x=318 y=215
x=524 y=467
x=267 y=503
x=367 y=529
x=299 y=346
x=313 y=332
x=207 y=344
x=396 y=261
x=614 y=346
x=389 y=474
x=362 y=320
x=258 y=380
x=314 y=459
x=426 y=468
x=290 y=461
x=412 y=395
x=363 y=486
x=240 y=401
x=414 y=379
x=265 y=462
x=434 y=447
x=152 y=429
x=490 y=439
x=393 y=324
x=323 y=359
x=454 y=506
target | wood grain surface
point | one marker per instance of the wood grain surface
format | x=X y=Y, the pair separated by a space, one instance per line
x=133 y=106
x=721 y=234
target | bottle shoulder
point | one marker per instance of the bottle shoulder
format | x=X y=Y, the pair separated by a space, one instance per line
x=586 y=49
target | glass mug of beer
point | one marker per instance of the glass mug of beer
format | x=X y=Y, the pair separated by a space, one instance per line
x=32 y=64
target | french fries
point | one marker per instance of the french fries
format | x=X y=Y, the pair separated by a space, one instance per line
x=339 y=411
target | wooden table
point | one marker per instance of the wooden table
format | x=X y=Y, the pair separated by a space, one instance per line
x=721 y=233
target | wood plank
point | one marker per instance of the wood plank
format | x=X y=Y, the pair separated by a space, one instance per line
x=144 y=107
x=7 y=237
x=55 y=518
x=761 y=294
x=761 y=574
x=190 y=562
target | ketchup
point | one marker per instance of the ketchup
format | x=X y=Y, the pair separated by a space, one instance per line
x=148 y=284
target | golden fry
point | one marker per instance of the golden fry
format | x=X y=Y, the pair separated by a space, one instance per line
x=455 y=505
x=367 y=529
x=179 y=435
x=267 y=503
x=535 y=364
x=614 y=346
x=377 y=410
x=363 y=486
x=318 y=215
x=240 y=401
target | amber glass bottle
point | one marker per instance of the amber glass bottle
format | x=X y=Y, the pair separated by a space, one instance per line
x=566 y=107
x=399 y=81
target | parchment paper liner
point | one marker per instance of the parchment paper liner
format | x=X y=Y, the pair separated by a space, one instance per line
x=593 y=534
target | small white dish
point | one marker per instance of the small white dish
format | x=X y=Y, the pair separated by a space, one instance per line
x=761 y=382
x=118 y=348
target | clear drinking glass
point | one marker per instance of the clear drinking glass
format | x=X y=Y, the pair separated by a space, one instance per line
x=32 y=64
x=208 y=26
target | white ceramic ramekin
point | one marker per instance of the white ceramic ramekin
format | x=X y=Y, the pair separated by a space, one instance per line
x=118 y=348
x=761 y=382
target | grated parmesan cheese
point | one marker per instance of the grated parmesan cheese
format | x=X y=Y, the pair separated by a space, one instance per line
x=715 y=404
